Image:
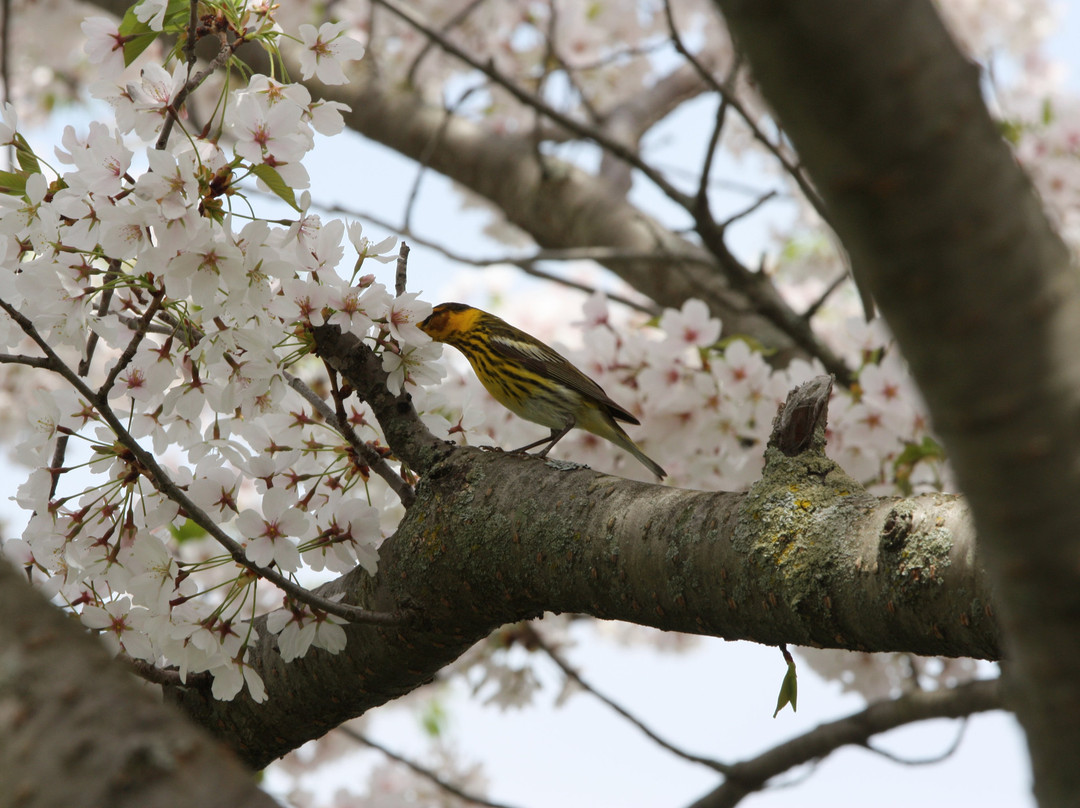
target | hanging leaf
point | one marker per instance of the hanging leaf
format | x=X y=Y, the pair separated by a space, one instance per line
x=275 y=183
x=137 y=36
x=27 y=159
x=789 y=688
x=11 y=183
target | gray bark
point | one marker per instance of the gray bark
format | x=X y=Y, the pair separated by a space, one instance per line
x=77 y=730
x=982 y=295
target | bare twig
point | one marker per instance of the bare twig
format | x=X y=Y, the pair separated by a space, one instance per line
x=427 y=774
x=103 y=308
x=742 y=214
x=448 y=26
x=193 y=26
x=429 y=150
x=535 y=637
x=856 y=729
x=553 y=58
x=402 y=270
x=23 y=359
x=533 y=101
x=527 y=263
x=714 y=140
x=727 y=92
x=5 y=57
x=945 y=754
x=812 y=309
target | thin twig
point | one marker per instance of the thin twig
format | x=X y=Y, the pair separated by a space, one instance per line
x=925 y=761
x=856 y=729
x=60 y=450
x=573 y=675
x=775 y=150
x=133 y=346
x=103 y=308
x=193 y=27
x=448 y=26
x=742 y=214
x=223 y=55
x=5 y=59
x=366 y=453
x=429 y=150
x=29 y=361
x=531 y=100
x=427 y=774
x=812 y=309
x=714 y=140
x=553 y=57
x=526 y=263
x=402 y=270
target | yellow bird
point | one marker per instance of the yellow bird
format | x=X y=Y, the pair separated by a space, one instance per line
x=532 y=380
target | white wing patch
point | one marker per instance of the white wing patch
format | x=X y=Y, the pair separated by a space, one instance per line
x=529 y=349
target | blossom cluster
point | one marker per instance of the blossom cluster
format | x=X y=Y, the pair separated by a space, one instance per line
x=165 y=326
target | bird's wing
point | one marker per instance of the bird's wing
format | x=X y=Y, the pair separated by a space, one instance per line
x=519 y=347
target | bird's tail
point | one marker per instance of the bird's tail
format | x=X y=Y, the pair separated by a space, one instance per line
x=607 y=428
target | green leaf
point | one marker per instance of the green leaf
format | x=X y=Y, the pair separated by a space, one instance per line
x=11 y=183
x=789 y=690
x=914 y=452
x=755 y=345
x=434 y=718
x=1011 y=130
x=27 y=159
x=186 y=531
x=137 y=36
x=273 y=180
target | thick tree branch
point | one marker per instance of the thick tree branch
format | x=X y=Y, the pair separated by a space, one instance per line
x=983 y=297
x=753 y=775
x=495 y=538
x=77 y=729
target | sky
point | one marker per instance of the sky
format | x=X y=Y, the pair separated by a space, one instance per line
x=716 y=699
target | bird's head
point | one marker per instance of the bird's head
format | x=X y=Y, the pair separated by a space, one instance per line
x=450 y=319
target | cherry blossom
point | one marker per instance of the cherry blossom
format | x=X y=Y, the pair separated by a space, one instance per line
x=118 y=622
x=405 y=315
x=383 y=251
x=104 y=44
x=325 y=49
x=692 y=326
x=298 y=630
x=152 y=12
x=272 y=533
x=229 y=679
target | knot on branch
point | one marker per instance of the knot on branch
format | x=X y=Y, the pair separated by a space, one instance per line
x=797 y=423
x=795 y=456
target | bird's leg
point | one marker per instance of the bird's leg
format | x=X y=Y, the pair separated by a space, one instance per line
x=533 y=444
x=556 y=436
x=551 y=440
